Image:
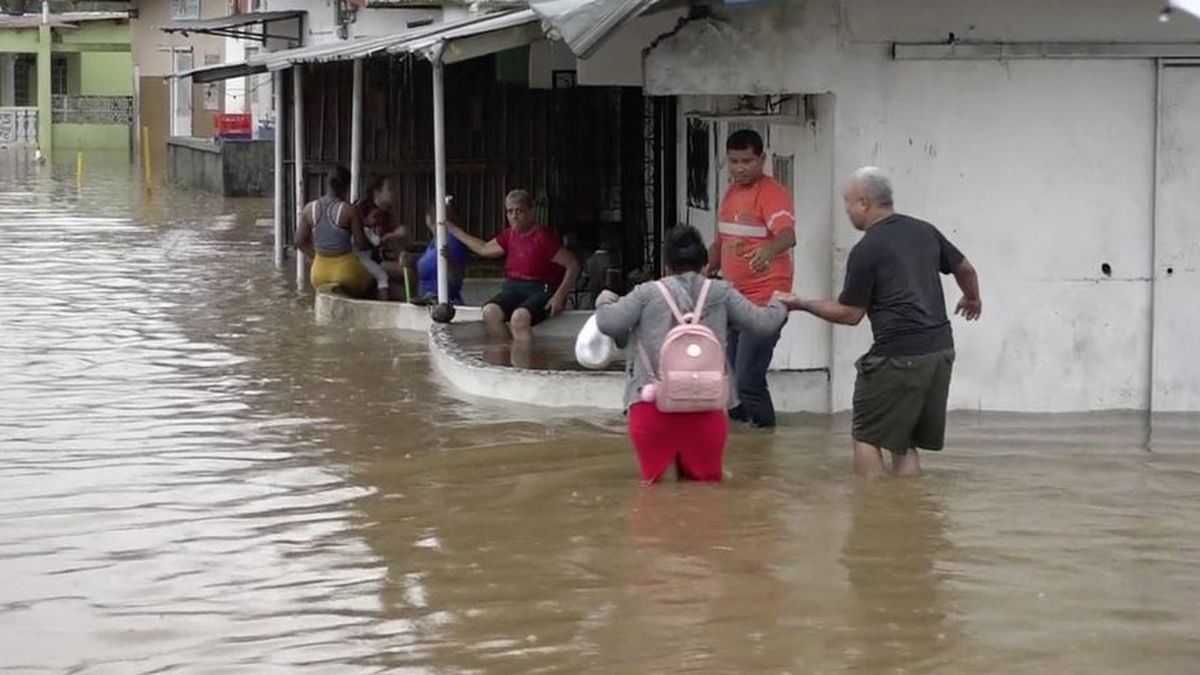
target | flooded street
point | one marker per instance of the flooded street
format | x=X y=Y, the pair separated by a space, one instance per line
x=194 y=477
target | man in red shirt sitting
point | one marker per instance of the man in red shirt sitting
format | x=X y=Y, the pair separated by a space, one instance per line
x=538 y=271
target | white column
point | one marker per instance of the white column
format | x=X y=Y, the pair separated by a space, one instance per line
x=439 y=176
x=298 y=125
x=277 y=106
x=356 y=132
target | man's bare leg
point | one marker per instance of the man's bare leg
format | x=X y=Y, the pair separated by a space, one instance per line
x=522 y=353
x=907 y=465
x=493 y=321
x=522 y=326
x=868 y=460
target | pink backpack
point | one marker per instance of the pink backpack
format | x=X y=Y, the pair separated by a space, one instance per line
x=692 y=376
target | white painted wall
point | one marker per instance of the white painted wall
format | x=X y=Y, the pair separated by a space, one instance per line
x=1039 y=170
x=1177 y=242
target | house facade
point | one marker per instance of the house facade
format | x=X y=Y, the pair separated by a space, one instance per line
x=1053 y=142
x=66 y=81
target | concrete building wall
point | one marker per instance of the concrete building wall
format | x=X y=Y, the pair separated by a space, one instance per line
x=1041 y=171
x=91 y=136
x=105 y=74
x=151 y=46
x=152 y=55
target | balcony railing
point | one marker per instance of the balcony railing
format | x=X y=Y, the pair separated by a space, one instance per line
x=92 y=109
x=18 y=126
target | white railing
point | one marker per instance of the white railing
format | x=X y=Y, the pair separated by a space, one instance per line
x=18 y=126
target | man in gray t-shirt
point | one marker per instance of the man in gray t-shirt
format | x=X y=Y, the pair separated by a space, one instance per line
x=893 y=277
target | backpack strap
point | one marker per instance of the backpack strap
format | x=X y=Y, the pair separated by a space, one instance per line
x=692 y=316
x=699 y=310
x=666 y=294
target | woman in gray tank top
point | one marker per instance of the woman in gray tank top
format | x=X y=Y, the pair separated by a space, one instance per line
x=330 y=233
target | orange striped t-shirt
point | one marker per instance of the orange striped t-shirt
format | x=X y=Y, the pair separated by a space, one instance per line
x=750 y=217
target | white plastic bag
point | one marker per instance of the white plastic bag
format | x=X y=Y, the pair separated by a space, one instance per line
x=594 y=349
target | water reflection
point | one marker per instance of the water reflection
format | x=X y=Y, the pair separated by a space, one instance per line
x=893 y=555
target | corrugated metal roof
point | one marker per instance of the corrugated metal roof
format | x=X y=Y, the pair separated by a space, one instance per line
x=452 y=37
x=585 y=24
x=415 y=41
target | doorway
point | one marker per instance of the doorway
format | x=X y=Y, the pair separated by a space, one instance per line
x=797 y=132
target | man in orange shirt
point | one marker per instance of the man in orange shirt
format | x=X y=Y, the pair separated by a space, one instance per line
x=753 y=251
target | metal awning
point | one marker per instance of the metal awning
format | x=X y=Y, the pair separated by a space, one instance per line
x=235 y=25
x=1190 y=6
x=487 y=35
x=458 y=41
x=585 y=24
x=216 y=72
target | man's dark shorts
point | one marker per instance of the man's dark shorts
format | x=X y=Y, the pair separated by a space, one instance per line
x=531 y=295
x=900 y=401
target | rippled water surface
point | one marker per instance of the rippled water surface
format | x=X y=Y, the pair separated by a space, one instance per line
x=195 y=478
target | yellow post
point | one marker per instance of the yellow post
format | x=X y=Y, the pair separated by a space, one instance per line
x=146 y=157
x=408 y=293
x=79 y=171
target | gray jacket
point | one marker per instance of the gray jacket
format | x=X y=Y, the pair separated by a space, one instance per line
x=643 y=317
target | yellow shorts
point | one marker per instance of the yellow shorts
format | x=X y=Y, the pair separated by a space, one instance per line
x=344 y=271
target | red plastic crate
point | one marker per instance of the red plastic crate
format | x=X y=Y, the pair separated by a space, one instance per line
x=232 y=125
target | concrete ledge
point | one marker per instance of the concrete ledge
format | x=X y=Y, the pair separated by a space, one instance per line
x=334 y=309
x=792 y=391
x=547 y=388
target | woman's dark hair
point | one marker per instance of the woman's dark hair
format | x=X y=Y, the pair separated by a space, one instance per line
x=451 y=215
x=339 y=181
x=685 y=250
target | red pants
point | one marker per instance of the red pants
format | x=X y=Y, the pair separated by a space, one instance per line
x=694 y=442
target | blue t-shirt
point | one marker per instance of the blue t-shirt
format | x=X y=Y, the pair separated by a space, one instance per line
x=427 y=267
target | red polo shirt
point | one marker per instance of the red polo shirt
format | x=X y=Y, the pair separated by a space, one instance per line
x=529 y=256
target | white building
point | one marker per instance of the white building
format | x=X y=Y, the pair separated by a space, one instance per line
x=1055 y=143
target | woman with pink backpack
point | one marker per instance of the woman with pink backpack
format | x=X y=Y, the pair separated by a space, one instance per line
x=677 y=389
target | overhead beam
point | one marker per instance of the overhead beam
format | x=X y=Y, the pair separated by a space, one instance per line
x=1011 y=51
x=74 y=47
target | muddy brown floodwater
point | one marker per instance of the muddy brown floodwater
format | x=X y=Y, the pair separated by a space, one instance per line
x=196 y=478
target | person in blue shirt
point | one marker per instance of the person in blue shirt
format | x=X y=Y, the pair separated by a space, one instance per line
x=456 y=262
